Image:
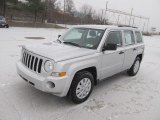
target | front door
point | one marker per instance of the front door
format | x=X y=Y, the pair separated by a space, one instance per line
x=112 y=61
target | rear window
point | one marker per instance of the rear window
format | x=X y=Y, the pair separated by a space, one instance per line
x=129 y=38
x=138 y=37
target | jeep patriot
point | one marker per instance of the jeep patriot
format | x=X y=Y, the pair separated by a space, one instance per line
x=80 y=58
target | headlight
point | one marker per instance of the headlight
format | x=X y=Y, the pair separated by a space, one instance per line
x=48 y=66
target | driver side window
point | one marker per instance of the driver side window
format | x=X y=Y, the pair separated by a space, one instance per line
x=115 y=37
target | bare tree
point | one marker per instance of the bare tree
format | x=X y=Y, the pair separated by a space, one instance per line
x=87 y=10
x=4 y=4
x=51 y=7
x=69 y=6
x=35 y=6
x=51 y=4
x=87 y=13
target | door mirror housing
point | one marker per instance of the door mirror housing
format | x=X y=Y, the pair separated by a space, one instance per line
x=110 y=47
x=59 y=36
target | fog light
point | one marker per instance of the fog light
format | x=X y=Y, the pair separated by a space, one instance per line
x=50 y=84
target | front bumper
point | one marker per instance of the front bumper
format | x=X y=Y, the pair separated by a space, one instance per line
x=3 y=25
x=41 y=83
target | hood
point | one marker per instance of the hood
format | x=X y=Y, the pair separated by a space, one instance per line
x=59 y=52
x=2 y=22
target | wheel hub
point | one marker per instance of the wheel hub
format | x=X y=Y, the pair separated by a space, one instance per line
x=83 y=88
x=136 y=66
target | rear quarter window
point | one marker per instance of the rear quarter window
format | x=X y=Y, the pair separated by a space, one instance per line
x=138 y=37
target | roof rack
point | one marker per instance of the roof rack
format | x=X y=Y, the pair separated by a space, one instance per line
x=126 y=26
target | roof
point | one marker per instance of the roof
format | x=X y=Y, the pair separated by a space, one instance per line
x=103 y=27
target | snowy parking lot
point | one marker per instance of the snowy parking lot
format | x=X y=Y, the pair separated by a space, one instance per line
x=117 y=98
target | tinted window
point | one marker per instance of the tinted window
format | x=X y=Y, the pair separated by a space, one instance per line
x=138 y=37
x=129 y=37
x=115 y=37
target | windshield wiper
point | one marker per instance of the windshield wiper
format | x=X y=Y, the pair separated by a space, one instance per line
x=70 y=43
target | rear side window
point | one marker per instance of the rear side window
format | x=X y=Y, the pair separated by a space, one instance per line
x=138 y=37
x=115 y=37
x=129 y=37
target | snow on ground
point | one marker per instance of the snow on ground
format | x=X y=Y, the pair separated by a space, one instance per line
x=117 y=98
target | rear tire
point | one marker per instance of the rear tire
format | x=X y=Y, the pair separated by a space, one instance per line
x=135 y=67
x=81 y=87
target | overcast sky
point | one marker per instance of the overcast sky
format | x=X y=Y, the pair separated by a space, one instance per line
x=147 y=8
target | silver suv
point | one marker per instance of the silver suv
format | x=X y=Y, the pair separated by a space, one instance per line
x=81 y=58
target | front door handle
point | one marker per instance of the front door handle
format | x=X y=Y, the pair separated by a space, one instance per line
x=121 y=52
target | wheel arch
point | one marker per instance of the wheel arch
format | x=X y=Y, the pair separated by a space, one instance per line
x=140 y=56
x=92 y=70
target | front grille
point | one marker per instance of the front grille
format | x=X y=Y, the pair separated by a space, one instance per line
x=32 y=61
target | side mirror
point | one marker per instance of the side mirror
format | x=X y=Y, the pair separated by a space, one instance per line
x=59 y=36
x=110 y=47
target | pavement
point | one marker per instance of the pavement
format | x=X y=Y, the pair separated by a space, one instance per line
x=117 y=98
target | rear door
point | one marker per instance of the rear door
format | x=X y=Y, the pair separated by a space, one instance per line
x=130 y=48
x=140 y=43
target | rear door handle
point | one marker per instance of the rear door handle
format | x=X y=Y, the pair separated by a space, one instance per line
x=121 y=52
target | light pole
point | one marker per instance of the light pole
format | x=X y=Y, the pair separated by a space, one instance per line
x=130 y=17
x=102 y=16
x=133 y=22
x=148 y=24
x=106 y=5
x=106 y=16
x=118 y=20
x=140 y=22
x=144 y=26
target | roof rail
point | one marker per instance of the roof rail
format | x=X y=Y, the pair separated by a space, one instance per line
x=126 y=26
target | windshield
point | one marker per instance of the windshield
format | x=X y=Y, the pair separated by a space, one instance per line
x=84 y=37
x=1 y=18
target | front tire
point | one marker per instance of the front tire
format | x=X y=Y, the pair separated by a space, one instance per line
x=135 y=67
x=81 y=87
x=7 y=26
